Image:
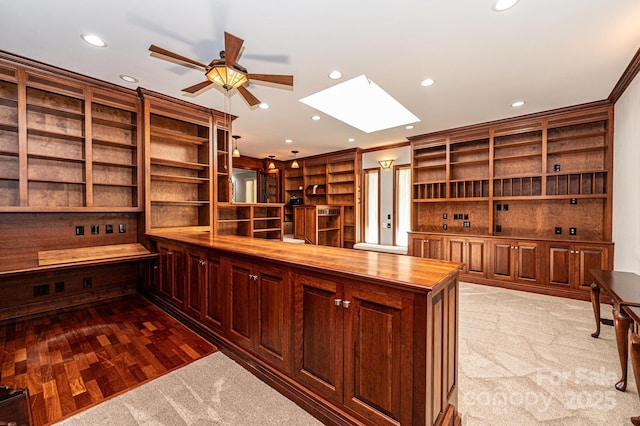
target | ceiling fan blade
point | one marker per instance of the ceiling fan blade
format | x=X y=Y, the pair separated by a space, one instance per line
x=160 y=51
x=248 y=96
x=286 y=80
x=197 y=87
x=232 y=46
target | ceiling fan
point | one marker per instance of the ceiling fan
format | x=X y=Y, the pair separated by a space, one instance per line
x=225 y=71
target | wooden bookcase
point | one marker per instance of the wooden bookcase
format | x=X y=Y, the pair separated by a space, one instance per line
x=532 y=197
x=343 y=189
x=293 y=186
x=261 y=220
x=178 y=143
x=315 y=180
x=319 y=225
x=66 y=145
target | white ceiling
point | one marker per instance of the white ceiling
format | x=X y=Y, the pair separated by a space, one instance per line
x=549 y=53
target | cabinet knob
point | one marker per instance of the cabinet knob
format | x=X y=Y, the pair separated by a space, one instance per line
x=516 y=247
x=577 y=251
x=337 y=302
x=346 y=303
x=572 y=252
x=201 y=262
x=169 y=253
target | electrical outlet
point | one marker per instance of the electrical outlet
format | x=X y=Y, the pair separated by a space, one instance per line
x=444 y=226
x=573 y=231
x=558 y=230
x=505 y=207
x=122 y=228
x=95 y=229
x=40 y=290
x=499 y=207
x=108 y=229
x=59 y=287
x=466 y=224
x=445 y=216
x=573 y=201
x=466 y=216
x=455 y=216
x=86 y=283
x=498 y=228
x=80 y=230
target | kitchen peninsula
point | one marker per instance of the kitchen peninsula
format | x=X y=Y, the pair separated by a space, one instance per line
x=353 y=337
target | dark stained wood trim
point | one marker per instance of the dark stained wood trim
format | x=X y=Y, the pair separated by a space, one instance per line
x=627 y=77
x=536 y=115
x=143 y=93
x=385 y=147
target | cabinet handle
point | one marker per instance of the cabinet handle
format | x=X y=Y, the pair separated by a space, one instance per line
x=201 y=262
x=253 y=277
x=169 y=253
x=572 y=252
x=346 y=303
x=577 y=251
x=516 y=247
x=337 y=302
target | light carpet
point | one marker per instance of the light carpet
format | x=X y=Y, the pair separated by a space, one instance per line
x=524 y=359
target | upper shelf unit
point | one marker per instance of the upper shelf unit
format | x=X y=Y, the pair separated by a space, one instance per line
x=65 y=144
x=558 y=157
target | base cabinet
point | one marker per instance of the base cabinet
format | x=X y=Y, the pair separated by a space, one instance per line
x=569 y=264
x=351 y=350
x=472 y=252
x=259 y=310
x=352 y=345
x=426 y=246
x=171 y=273
x=517 y=261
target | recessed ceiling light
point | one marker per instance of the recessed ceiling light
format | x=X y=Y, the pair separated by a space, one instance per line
x=315 y=117
x=517 y=104
x=335 y=75
x=409 y=127
x=502 y=5
x=361 y=103
x=93 y=40
x=264 y=106
x=427 y=82
x=351 y=139
x=128 y=78
x=288 y=141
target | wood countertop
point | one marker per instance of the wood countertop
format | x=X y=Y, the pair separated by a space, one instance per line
x=398 y=270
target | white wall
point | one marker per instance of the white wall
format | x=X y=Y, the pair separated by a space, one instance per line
x=369 y=161
x=626 y=180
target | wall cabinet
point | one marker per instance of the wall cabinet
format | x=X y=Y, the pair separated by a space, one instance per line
x=259 y=310
x=517 y=261
x=568 y=264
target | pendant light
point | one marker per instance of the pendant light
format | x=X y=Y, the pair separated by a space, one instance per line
x=294 y=164
x=235 y=153
x=271 y=165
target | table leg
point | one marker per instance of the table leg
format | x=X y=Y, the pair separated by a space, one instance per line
x=595 y=303
x=621 y=323
x=634 y=344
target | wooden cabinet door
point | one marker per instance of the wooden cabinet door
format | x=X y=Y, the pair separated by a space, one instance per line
x=456 y=251
x=560 y=265
x=241 y=310
x=318 y=316
x=214 y=294
x=171 y=274
x=588 y=257
x=416 y=246
x=376 y=340
x=476 y=257
x=528 y=262
x=272 y=307
x=299 y=222
x=195 y=281
x=502 y=260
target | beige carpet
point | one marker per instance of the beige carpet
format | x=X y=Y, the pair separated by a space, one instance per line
x=525 y=359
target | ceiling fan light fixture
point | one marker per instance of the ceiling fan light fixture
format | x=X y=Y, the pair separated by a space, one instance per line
x=225 y=77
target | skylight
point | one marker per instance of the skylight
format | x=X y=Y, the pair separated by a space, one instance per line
x=361 y=103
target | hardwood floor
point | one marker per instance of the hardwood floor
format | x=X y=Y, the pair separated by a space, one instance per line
x=74 y=358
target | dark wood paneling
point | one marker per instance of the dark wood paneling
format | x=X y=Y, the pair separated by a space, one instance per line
x=214 y=294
